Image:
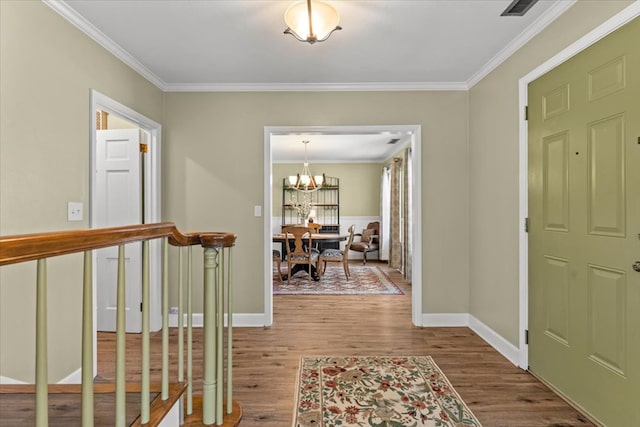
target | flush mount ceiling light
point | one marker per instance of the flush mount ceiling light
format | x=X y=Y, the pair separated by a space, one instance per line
x=305 y=181
x=311 y=21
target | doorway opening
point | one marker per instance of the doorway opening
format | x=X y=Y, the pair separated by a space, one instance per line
x=146 y=196
x=413 y=134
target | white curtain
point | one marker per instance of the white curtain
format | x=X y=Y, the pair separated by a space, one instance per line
x=385 y=211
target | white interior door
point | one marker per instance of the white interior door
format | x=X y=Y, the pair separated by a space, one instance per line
x=117 y=203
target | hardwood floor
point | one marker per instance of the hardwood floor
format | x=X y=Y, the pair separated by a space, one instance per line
x=266 y=359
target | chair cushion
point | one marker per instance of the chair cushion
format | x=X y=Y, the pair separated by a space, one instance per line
x=303 y=257
x=332 y=254
x=359 y=246
x=366 y=235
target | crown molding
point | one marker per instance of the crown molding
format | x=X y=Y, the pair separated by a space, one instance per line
x=99 y=37
x=316 y=87
x=523 y=38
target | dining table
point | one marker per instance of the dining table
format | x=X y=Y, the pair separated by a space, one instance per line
x=315 y=237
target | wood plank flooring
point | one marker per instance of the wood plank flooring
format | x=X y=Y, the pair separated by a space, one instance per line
x=266 y=360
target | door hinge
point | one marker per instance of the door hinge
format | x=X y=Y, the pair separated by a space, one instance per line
x=144 y=148
x=526 y=225
x=526 y=336
x=526 y=112
x=141 y=306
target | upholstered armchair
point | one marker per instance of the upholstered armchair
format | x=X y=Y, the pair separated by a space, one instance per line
x=369 y=240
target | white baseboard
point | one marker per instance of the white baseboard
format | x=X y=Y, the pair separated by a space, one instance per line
x=504 y=347
x=73 y=378
x=445 y=319
x=10 y=381
x=241 y=320
x=495 y=340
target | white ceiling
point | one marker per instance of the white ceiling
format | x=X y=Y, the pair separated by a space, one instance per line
x=239 y=45
x=338 y=146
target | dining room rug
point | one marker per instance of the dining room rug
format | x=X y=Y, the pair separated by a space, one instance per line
x=365 y=280
x=377 y=391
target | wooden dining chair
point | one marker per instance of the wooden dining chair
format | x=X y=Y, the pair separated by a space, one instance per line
x=337 y=255
x=299 y=244
x=316 y=229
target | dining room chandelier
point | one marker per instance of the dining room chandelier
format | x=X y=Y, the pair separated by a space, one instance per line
x=305 y=181
x=311 y=21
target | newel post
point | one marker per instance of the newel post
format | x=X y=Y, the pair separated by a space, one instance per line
x=216 y=279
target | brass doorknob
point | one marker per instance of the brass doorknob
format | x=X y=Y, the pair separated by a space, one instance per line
x=636 y=266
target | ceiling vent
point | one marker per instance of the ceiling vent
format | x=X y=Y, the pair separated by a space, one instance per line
x=518 y=7
x=393 y=141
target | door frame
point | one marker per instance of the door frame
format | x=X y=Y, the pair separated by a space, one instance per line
x=152 y=192
x=620 y=19
x=415 y=132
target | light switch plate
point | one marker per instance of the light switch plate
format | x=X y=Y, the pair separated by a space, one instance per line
x=74 y=211
x=257 y=210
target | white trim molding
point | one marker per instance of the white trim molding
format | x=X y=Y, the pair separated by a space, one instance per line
x=466 y=320
x=115 y=49
x=317 y=87
x=523 y=38
x=99 y=37
x=415 y=132
x=240 y=320
x=448 y=320
x=495 y=340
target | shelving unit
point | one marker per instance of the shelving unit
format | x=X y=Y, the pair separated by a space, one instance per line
x=325 y=201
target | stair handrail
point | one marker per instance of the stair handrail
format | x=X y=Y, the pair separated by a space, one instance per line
x=30 y=247
x=41 y=246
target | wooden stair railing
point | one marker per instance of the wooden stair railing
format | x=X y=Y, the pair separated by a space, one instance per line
x=217 y=283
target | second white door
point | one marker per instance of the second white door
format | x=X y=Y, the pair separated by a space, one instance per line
x=118 y=202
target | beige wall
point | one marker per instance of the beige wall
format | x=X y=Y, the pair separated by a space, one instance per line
x=493 y=148
x=213 y=172
x=47 y=69
x=359 y=185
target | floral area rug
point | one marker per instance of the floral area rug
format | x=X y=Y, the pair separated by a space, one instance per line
x=378 y=392
x=365 y=280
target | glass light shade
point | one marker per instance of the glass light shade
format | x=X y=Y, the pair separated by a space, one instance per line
x=293 y=179
x=305 y=179
x=318 y=179
x=324 y=20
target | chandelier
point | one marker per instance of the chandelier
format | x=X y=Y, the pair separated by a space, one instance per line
x=305 y=181
x=311 y=21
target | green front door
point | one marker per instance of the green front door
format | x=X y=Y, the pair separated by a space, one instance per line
x=584 y=225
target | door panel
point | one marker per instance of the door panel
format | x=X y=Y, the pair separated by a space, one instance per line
x=117 y=203
x=584 y=225
x=606 y=180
